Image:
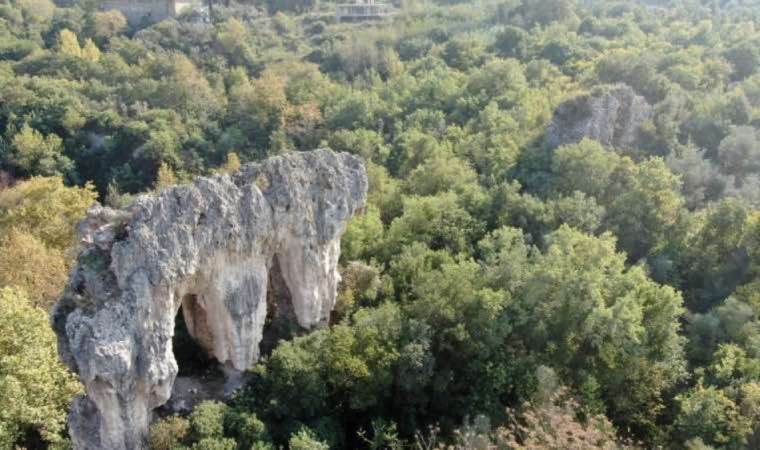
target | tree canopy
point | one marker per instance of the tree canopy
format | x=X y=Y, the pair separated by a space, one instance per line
x=500 y=288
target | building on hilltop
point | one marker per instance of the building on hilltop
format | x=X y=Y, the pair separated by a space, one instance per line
x=149 y=11
x=362 y=10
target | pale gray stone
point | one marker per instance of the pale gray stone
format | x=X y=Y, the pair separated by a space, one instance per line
x=612 y=116
x=208 y=247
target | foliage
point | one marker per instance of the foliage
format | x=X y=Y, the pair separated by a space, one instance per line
x=28 y=265
x=738 y=153
x=47 y=207
x=165 y=177
x=605 y=324
x=207 y=419
x=35 y=388
x=438 y=221
x=713 y=417
x=36 y=154
x=553 y=425
x=109 y=24
x=305 y=440
x=169 y=433
x=484 y=259
x=231 y=165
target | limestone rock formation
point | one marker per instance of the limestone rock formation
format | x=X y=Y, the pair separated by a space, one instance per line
x=208 y=247
x=613 y=117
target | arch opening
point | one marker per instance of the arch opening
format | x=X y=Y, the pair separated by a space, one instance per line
x=192 y=339
x=281 y=322
x=199 y=374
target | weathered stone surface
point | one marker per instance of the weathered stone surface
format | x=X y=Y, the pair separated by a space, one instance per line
x=207 y=246
x=612 y=117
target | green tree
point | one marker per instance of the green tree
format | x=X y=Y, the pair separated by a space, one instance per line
x=711 y=260
x=368 y=144
x=707 y=413
x=165 y=177
x=505 y=256
x=643 y=201
x=29 y=266
x=600 y=323
x=109 y=24
x=47 y=208
x=441 y=174
x=499 y=80
x=646 y=212
x=168 y=433
x=745 y=58
x=246 y=428
x=68 y=44
x=413 y=147
x=207 y=420
x=468 y=326
x=214 y=444
x=183 y=87
x=437 y=221
x=232 y=40
x=304 y=439
x=739 y=153
x=734 y=321
x=464 y=52
x=35 y=388
x=585 y=167
x=90 y=51
x=37 y=11
x=544 y=12
x=512 y=42
x=363 y=236
x=492 y=143
x=578 y=211
x=37 y=154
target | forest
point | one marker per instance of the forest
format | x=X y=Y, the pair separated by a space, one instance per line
x=517 y=281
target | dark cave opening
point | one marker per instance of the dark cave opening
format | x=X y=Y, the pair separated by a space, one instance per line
x=281 y=323
x=199 y=375
x=192 y=358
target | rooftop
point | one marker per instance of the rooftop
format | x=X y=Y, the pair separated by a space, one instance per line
x=362 y=11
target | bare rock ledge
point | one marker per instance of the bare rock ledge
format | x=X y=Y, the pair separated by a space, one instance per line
x=613 y=116
x=208 y=247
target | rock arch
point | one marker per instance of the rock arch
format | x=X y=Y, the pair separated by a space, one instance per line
x=208 y=246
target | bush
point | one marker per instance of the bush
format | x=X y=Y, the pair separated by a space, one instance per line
x=464 y=53
x=246 y=428
x=214 y=444
x=554 y=425
x=168 y=433
x=305 y=439
x=207 y=419
x=35 y=388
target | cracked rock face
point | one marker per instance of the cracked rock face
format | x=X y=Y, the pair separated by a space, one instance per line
x=613 y=118
x=207 y=247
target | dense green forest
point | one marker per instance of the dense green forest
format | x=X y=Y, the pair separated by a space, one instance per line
x=502 y=289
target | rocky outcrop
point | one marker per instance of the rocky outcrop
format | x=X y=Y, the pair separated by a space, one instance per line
x=612 y=116
x=208 y=247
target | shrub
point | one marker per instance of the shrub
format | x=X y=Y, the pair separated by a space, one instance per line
x=214 y=444
x=207 y=419
x=168 y=433
x=305 y=439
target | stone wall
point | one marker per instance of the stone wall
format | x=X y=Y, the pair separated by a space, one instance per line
x=149 y=11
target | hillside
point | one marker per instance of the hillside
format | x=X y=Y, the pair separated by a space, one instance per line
x=560 y=246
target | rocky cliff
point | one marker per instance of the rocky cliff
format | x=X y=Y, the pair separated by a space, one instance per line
x=612 y=116
x=208 y=247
